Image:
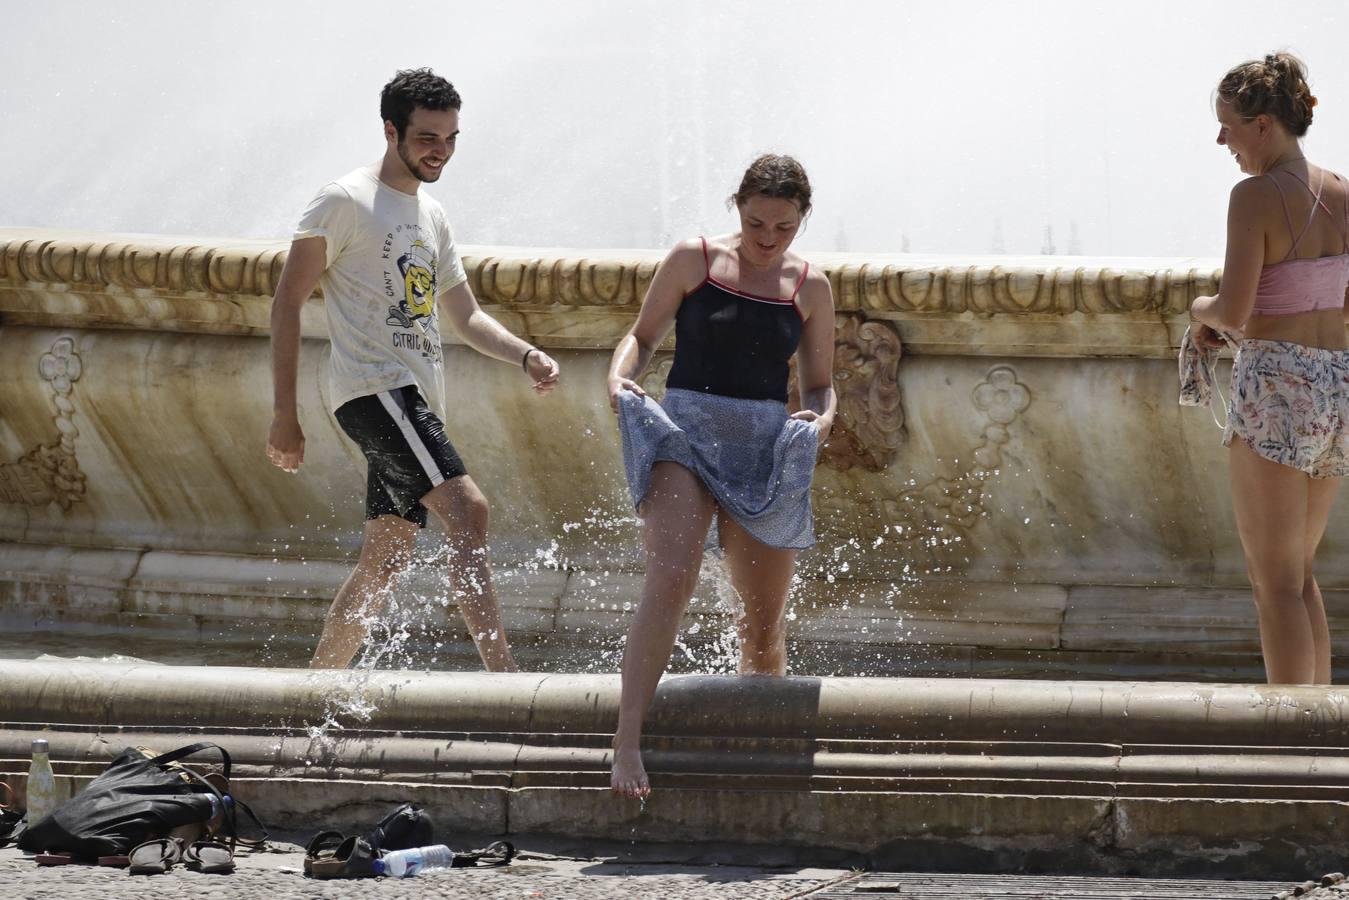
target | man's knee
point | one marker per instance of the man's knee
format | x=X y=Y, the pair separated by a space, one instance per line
x=462 y=508
x=382 y=561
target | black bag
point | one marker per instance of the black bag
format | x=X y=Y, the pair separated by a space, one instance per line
x=10 y=819
x=138 y=797
x=407 y=826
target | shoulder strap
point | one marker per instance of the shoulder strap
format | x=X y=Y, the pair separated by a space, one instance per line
x=707 y=261
x=805 y=270
x=1287 y=217
x=1344 y=232
x=181 y=752
x=250 y=843
x=1317 y=203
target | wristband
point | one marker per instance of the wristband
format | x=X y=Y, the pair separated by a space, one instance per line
x=524 y=363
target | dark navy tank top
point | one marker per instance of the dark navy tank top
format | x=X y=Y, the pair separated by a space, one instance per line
x=735 y=344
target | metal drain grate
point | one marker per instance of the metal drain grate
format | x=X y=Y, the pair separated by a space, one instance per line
x=899 y=886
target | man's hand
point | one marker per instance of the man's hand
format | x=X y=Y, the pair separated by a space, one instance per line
x=285 y=443
x=543 y=370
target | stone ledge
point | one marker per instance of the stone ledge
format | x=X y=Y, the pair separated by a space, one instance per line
x=585 y=299
x=1160 y=779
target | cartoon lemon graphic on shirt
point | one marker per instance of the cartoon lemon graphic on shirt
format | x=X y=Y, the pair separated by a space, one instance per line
x=418 y=266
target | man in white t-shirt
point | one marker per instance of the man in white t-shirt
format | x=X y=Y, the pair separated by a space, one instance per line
x=384 y=253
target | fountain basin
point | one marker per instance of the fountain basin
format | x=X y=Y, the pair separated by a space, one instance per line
x=1011 y=488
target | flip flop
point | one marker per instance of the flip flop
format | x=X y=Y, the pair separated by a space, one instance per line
x=154 y=857
x=211 y=857
x=6 y=795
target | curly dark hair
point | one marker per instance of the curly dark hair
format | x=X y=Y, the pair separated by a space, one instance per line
x=774 y=176
x=411 y=88
x=1274 y=86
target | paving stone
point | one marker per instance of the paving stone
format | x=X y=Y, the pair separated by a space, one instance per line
x=278 y=876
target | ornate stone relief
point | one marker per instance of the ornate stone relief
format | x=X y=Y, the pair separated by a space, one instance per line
x=184 y=268
x=653 y=379
x=50 y=473
x=867 y=287
x=869 y=425
x=618 y=282
x=933 y=521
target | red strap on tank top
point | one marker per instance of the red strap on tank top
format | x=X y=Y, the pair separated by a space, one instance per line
x=800 y=281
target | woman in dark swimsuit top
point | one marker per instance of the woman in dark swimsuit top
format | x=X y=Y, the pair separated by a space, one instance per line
x=721 y=445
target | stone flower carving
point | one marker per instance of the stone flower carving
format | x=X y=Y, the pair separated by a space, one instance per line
x=61 y=365
x=933 y=521
x=1002 y=398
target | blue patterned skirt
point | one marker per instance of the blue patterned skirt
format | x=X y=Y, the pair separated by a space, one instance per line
x=756 y=461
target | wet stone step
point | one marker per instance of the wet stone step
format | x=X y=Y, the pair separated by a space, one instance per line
x=902 y=886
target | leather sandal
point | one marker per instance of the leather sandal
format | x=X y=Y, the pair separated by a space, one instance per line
x=330 y=855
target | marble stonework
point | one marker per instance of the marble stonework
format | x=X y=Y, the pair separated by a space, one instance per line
x=1010 y=459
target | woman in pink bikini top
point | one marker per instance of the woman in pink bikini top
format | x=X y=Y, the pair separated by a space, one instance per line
x=1300 y=284
x=1283 y=290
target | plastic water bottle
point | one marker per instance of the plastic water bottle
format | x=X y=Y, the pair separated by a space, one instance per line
x=407 y=863
x=217 y=806
x=42 y=792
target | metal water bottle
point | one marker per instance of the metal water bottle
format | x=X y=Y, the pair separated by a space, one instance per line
x=42 y=792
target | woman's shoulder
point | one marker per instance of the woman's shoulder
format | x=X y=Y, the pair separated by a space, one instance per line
x=686 y=252
x=1257 y=189
x=815 y=289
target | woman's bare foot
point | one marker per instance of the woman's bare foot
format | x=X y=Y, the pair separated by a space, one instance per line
x=628 y=778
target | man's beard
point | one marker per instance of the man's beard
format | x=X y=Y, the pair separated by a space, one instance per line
x=412 y=167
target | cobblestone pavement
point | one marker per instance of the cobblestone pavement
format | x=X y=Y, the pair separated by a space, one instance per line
x=278 y=876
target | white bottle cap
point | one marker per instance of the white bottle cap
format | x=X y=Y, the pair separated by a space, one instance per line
x=39 y=745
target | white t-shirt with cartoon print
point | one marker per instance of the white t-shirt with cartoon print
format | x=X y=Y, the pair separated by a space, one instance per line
x=389 y=255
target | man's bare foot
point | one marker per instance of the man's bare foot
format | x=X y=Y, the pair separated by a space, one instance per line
x=628 y=778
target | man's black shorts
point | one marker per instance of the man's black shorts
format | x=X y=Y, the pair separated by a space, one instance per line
x=405 y=448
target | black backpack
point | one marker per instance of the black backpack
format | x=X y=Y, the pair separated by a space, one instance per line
x=407 y=826
x=138 y=797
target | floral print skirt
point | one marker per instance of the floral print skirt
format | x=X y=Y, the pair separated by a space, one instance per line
x=1290 y=404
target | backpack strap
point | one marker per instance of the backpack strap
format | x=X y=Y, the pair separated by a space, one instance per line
x=175 y=755
x=232 y=826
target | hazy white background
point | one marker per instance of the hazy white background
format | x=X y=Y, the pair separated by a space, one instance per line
x=938 y=127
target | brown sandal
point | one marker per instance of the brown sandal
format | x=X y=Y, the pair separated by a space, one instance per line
x=330 y=855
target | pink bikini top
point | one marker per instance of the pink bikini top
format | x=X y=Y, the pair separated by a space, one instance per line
x=1304 y=285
